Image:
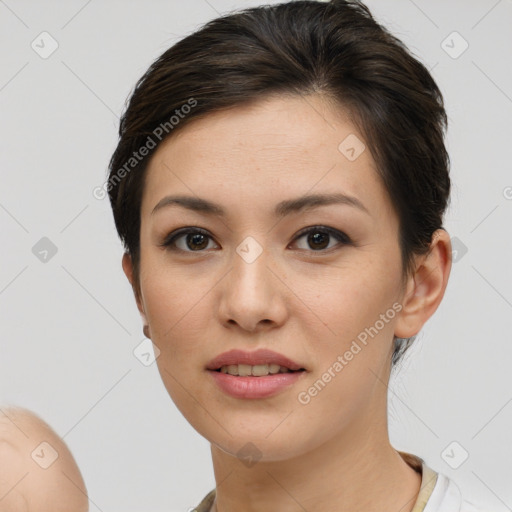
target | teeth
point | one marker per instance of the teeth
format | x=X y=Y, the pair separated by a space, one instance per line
x=259 y=370
x=274 y=368
x=244 y=370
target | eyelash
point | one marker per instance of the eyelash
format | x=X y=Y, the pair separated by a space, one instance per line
x=342 y=238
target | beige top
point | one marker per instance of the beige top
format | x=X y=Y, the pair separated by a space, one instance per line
x=428 y=482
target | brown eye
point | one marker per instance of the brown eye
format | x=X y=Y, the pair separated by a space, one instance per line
x=318 y=238
x=196 y=241
x=188 y=240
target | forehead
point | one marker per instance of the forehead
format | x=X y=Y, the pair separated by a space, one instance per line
x=299 y=124
x=265 y=151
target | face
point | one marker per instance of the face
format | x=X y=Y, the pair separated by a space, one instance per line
x=317 y=282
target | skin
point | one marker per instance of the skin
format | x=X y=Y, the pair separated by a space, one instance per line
x=332 y=454
x=27 y=486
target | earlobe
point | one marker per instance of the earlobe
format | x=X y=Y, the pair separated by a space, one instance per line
x=127 y=265
x=426 y=286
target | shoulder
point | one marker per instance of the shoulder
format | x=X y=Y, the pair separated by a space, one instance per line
x=37 y=470
x=469 y=507
x=207 y=502
x=447 y=497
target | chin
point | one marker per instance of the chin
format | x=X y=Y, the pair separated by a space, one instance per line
x=252 y=444
x=250 y=451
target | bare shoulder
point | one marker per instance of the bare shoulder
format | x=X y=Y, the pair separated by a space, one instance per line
x=37 y=470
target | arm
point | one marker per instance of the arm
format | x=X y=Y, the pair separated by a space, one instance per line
x=37 y=471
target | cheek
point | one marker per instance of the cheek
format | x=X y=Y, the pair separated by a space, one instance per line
x=178 y=305
x=351 y=356
x=178 y=309
x=353 y=296
x=358 y=307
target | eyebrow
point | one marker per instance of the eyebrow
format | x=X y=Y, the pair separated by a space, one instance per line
x=281 y=209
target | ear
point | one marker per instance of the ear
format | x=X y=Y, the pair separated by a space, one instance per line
x=426 y=286
x=128 y=270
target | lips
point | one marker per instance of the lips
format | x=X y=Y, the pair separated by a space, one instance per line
x=252 y=375
x=258 y=357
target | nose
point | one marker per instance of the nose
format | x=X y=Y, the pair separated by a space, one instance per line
x=253 y=295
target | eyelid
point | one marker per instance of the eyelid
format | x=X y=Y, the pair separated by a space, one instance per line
x=336 y=233
x=169 y=239
x=340 y=236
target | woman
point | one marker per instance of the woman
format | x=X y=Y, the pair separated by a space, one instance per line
x=279 y=186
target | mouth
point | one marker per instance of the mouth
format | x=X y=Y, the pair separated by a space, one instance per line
x=254 y=375
x=259 y=370
x=259 y=363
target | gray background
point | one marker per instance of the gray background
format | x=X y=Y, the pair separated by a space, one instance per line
x=70 y=324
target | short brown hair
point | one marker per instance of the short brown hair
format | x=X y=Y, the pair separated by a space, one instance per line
x=333 y=48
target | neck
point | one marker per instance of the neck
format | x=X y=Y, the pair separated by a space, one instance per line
x=354 y=472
